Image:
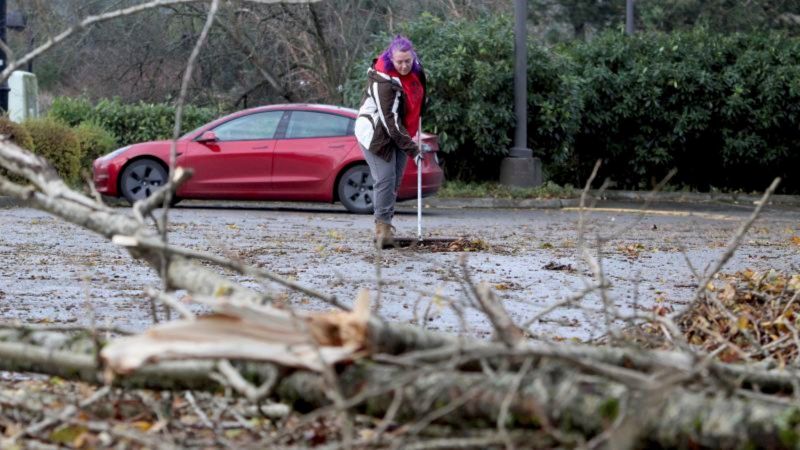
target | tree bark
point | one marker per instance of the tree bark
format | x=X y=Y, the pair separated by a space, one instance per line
x=574 y=402
x=552 y=392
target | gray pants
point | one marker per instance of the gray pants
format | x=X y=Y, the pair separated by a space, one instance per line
x=387 y=176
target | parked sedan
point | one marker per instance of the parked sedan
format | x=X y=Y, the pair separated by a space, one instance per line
x=297 y=152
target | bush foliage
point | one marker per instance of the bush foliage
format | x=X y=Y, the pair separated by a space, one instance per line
x=130 y=123
x=58 y=143
x=722 y=109
x=17 y=134
x=94 y=141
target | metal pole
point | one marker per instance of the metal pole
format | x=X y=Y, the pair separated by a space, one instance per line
x=419 y=183
x=30 y=48
x=520 y=149
x=629 y=17
x=4 y=85
x=520 y=168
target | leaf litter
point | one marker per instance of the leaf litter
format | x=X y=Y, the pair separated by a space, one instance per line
x=760 y=320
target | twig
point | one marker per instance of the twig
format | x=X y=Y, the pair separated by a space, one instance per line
x=235 y=379
x=202 y=415
x=505 y=328
x=506 y=405
x=61 y=328
x=65 y=414
x=568 y=301
x=146 y=206
x=170 y=301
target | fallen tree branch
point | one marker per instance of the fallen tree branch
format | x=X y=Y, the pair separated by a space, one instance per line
x=713 y=420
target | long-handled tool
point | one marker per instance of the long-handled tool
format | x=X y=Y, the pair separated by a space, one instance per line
x=419 y=160
x=441 y=242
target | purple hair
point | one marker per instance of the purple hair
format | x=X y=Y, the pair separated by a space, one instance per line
x=400 y=43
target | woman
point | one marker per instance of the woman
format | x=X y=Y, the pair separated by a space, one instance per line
x=387 y=123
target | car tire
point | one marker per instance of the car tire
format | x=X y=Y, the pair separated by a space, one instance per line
x=355 y=189
x=141 y=178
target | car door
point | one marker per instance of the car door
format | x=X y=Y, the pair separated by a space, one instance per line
x=238 y=164
x=307 y=156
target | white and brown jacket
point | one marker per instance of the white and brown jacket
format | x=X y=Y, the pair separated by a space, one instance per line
x=379 y=126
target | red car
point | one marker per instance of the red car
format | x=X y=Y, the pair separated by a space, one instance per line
x=281 y=152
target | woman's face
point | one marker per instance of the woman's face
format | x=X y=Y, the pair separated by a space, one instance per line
x=403 y=61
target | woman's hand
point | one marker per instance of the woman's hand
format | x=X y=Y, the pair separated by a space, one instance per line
x=418 y=157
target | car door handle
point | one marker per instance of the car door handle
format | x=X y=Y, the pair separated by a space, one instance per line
x=336 y=146
x=261 y=147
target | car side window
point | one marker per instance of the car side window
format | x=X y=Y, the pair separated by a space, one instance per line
x=250 y=127
x=310 y=124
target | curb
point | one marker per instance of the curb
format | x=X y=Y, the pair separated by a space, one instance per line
x=697 y=197
x=500 y=203
x=555 y=203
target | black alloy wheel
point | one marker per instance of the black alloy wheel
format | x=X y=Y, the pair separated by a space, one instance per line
x=355 y=189
x=141 y=178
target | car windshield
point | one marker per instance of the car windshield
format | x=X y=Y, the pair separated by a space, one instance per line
x=185 y=136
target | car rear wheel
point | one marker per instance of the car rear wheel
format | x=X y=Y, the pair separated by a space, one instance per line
x=355 y=189
x=141 y=178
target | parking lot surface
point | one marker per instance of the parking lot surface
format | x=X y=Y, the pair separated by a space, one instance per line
x=55 y=272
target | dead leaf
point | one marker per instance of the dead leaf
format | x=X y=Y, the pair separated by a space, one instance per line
x=742 y=323
x=69 y=435
x=728 y=293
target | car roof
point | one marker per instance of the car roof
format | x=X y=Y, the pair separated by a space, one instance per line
x=305 y=106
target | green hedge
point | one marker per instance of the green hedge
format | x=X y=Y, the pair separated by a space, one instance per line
x=130 y=123
x=722 y=109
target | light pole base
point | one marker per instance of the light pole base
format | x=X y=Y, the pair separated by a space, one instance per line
x=521 y=172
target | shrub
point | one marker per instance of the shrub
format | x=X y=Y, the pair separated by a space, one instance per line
x=130 y=123
x=17 y=134
x=722 y=109
x=56 y=142
x=94 y=141
x=71 y=110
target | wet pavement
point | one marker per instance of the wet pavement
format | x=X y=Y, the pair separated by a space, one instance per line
x=54 y=272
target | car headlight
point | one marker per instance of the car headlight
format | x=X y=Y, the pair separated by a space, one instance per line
x=426 y=148
x=115 y=153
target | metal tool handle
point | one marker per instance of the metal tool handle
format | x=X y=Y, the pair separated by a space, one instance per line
x=419 y=181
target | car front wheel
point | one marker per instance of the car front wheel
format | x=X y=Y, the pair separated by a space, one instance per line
x=355 y=189
x=141 y=178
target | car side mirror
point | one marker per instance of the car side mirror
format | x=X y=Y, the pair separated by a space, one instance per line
x=207 y=136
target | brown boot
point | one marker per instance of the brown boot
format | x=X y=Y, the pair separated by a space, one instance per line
x=384 y=235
